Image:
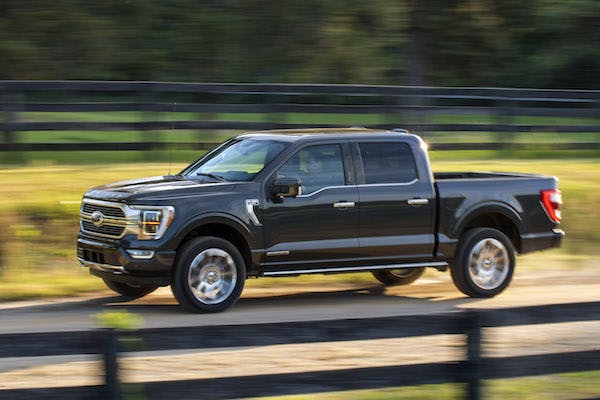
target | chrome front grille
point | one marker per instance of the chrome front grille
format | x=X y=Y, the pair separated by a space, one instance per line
x=107 y=219
x=108 y=230
x=116 y=212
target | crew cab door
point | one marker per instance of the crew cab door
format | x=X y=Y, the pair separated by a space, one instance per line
x=397 y=203
x=320 y=226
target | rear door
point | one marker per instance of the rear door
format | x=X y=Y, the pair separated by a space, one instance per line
x=396 y=204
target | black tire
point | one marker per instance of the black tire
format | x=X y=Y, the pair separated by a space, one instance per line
x=209 y=275
x=484 y=264
x=400 y=276
x=129 y=291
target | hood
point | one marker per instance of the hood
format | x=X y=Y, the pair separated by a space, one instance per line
x=154 y=187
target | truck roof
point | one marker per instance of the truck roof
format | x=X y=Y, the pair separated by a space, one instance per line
x=293 y=135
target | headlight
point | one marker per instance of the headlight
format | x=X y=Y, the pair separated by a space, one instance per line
x=154 y=221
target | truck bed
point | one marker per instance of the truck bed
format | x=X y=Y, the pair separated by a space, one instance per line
x=513 y=196
x=481 y=175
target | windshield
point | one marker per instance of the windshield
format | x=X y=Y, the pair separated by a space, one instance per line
x=240 y=160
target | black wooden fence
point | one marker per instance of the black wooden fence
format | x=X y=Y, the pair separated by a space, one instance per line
x=470 y=371
x=412 y=108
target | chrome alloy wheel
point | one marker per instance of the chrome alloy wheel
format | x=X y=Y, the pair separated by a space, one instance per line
x=489 y=264
x=212 y=276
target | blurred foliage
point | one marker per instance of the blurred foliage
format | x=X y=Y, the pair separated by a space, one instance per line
x=122 y=320
x=540 y=43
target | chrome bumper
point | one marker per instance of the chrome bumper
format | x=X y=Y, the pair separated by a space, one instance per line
x=115 y=269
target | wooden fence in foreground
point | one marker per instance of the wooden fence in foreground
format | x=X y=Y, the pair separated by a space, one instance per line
x=412 y=108
x=471 y=371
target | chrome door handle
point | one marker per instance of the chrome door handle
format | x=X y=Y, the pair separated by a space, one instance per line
x=344 y=204
x=418 y=202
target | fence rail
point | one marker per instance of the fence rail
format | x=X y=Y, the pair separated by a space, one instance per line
x=471 y=370
x=220 y=105
x=550 y=95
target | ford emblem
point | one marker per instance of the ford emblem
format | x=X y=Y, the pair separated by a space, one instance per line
x=97 y=218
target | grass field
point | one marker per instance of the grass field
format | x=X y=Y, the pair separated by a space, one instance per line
x=531 y=151
x=571 y=386
x=316 y=118
x=40 y=217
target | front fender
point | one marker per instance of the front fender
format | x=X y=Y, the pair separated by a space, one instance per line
x=216 y=218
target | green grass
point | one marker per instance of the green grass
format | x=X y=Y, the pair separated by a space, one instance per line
x=40 y=219
x=296 y=118
x=437 y=392
x=580 y=385
x=534 y=151
x=22 y=284
x=122 y=136
x=438 y=118
x=517 y=120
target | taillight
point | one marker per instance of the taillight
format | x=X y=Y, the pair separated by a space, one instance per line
x=552 y=200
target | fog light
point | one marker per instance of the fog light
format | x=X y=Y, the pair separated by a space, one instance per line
x=140 y=254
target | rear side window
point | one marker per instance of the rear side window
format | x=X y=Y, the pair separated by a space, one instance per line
x=387 y=162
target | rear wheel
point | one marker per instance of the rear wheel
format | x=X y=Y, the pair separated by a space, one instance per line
x=400 y=276
x=128 y=290
x=485 y=262
x=209 y=275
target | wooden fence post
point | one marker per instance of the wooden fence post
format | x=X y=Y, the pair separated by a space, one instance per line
x=505 y=119
x=473 y=370
x=111 y=366
x=8 y=101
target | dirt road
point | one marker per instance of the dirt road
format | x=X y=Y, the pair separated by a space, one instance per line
x=299 y=303
x=290 y=302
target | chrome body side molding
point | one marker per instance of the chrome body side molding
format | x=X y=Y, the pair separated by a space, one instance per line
x=351 y=269
x=278 y=253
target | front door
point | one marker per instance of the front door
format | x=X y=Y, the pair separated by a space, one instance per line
x=320 y=227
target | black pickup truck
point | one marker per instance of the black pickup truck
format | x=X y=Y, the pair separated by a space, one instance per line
x=293 y=202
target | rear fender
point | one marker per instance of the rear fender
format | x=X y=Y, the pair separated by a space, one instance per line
x=487 y=208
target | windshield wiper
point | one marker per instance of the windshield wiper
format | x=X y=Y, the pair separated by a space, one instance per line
x=216 y=177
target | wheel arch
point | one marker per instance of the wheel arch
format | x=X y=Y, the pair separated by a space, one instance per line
x=496 y=216
x=222 y=226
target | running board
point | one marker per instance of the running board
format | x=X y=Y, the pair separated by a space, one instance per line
x=353 y=269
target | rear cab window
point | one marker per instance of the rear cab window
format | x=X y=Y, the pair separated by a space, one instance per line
x=387 y=162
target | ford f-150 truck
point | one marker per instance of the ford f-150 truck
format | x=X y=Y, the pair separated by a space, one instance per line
x=281 y=203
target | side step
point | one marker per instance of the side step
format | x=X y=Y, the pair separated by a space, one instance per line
x=438 y=265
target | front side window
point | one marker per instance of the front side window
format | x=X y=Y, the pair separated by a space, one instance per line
x=390 y=162
x=316 y=167
x=241 y=160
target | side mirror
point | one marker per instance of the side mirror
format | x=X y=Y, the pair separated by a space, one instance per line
x=286 y=187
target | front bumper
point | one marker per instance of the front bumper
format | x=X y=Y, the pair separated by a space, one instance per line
x=110 y=261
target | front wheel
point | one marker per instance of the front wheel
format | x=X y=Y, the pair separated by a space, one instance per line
x=129 y=291
x=484 y=264
x=400 y=276
x=209 y=275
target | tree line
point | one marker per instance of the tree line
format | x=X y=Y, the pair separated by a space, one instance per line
x=535 y=43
